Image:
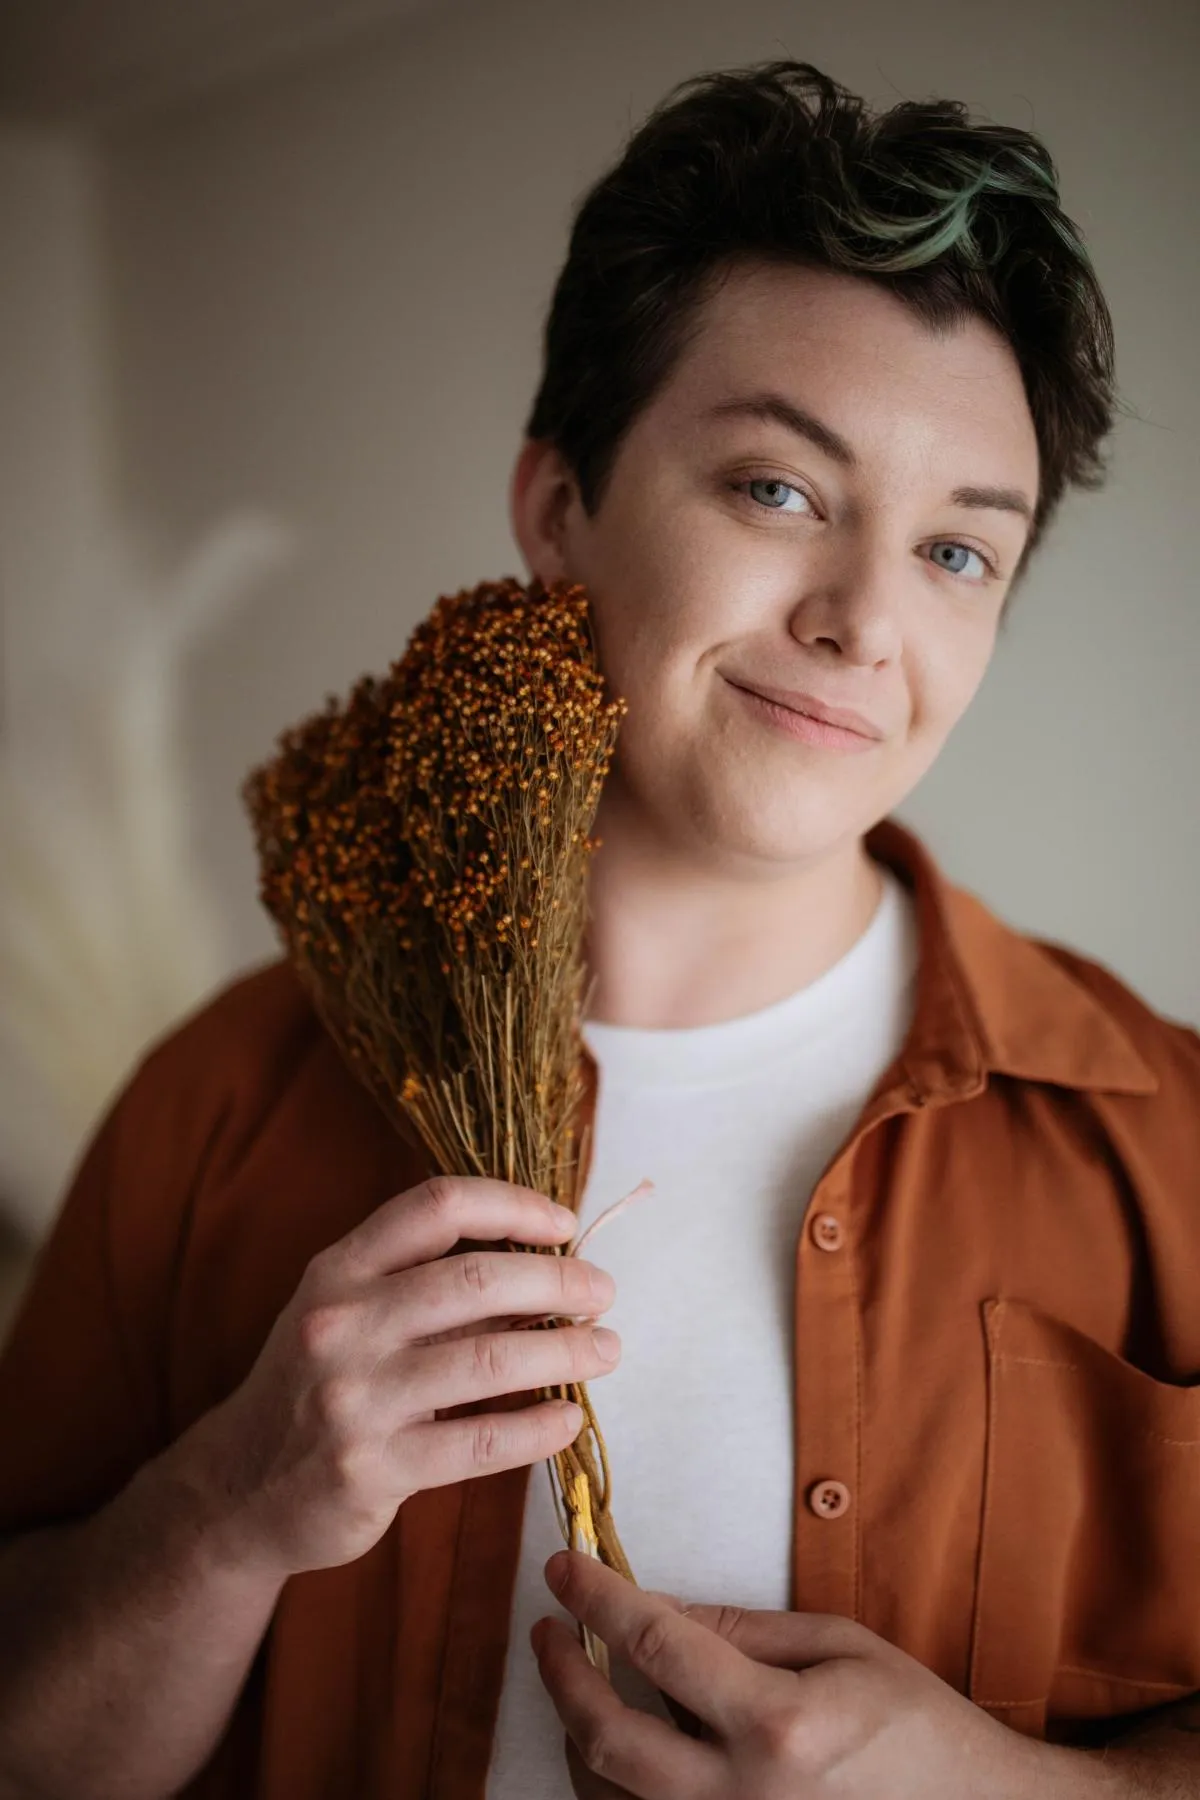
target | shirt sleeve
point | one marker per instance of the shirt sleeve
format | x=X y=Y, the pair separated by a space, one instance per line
x=82 y=1373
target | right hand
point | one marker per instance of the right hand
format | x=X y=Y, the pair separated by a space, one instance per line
x=334 y=1427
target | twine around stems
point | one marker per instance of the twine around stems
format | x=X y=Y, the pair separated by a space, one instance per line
x=575 y=1248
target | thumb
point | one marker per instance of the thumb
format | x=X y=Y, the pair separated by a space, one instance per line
x=783 y=1640
x=738 y=1625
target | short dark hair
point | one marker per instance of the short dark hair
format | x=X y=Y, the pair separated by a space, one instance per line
x=779 y=162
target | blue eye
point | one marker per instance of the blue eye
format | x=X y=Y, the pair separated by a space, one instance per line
x=777 y=486
x=962 y=550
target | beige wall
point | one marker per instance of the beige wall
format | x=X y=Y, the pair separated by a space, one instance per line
x=55 y=423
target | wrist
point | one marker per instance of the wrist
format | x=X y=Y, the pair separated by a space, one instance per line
x=194 y=1483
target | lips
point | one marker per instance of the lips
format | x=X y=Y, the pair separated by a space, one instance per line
x=812 y=708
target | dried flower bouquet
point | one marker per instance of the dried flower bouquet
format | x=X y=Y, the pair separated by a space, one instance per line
x=423 y=852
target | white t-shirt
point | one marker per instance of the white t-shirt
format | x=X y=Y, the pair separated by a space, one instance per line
x=734 y=1123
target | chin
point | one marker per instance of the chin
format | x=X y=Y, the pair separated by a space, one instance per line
x=767 y=844
x=793 y=821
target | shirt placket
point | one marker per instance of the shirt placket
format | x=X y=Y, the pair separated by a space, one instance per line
x=826 y=1561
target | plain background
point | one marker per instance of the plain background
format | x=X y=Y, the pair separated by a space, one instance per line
x=298 y=258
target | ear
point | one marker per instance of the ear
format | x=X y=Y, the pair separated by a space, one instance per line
x=541 y=490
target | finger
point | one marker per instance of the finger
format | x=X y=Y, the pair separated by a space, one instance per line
x=585 y=1783
x=446 y=1450
x=712 y=1679
x=633 y=1750
x=783 y=1640
x=505 y=1362
x=425 y=1222
x=499 y=1322
x=460 y=1290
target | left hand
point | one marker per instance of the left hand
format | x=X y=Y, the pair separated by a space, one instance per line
x=794 y=1706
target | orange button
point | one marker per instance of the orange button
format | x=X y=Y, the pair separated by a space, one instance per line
x=829 y=1499
x=826 y=1232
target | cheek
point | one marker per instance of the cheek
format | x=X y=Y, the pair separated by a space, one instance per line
x=942 y=684
x=665 y=601
x=649 y=653
x=659 y=731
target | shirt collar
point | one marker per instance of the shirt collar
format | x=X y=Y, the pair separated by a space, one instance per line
x=991 y=999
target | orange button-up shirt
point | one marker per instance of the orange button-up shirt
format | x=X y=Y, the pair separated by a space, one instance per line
x=997 y=1360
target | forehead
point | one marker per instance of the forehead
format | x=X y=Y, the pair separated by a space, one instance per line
x=853 y=353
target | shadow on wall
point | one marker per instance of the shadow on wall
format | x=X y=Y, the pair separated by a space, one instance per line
x=108 y=929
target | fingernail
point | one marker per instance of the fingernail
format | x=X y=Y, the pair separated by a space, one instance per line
x=562 y=1214
x=608 y=1344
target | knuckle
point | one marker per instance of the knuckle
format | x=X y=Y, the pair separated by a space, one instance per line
x=335 y=1400
x=491 y=1356
x=843 y=1682
x=649 y=1642
x=320 y=1261
x=346 y=1255
x=478 y=1275
x=730 y=1622
x=320 y=1328
x=782 y=1736
x=485 y=1443
x=327 y=1270
x=346 y=1465
x=442 y=1196
x=595 y=1740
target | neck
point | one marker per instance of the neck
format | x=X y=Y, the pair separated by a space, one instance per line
x=672 y=945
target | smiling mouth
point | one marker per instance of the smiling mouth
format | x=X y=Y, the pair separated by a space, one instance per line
x=810 y=707
x=802 y=725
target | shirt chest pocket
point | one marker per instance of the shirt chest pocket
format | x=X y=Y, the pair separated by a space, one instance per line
x=1088 y=1598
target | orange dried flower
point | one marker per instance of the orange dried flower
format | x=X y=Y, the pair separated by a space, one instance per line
x=423 y=852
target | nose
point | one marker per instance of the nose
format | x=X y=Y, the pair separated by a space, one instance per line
x=850 y=605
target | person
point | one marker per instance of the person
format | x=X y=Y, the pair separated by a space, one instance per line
x=904 y=1417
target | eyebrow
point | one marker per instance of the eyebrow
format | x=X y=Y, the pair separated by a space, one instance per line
x=776 y=409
